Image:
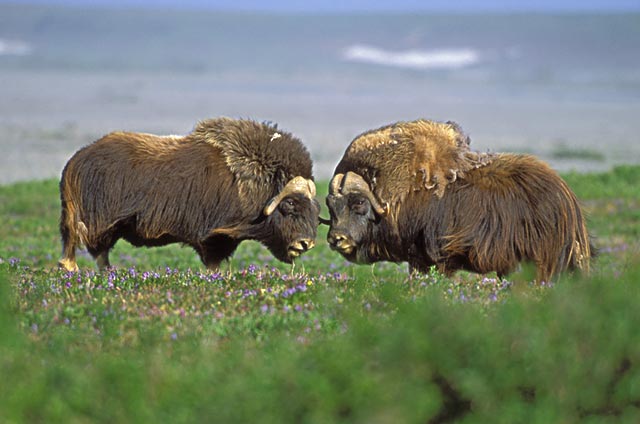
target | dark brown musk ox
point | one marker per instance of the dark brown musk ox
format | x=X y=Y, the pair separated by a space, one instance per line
x=415 y=192
x=227 y=181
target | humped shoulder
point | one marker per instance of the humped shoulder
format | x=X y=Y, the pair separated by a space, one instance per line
x=410 y=156
x=256 y=151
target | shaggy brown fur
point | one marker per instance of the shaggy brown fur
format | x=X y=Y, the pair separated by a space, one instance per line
x=513 y=208
x=207 y=189
x=415 y=155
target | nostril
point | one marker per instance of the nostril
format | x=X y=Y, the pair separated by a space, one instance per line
x=306 y=244
x=302 y=245
x=335 y=238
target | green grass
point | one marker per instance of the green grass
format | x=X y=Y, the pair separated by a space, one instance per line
x=160 y=339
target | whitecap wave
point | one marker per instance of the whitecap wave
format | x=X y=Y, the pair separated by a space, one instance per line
x=14 y=47
x=413 y=59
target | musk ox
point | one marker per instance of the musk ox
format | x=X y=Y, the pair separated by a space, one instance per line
x=415 y=192
x=227 y=181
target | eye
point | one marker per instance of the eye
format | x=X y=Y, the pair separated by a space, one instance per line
x=359 y=206
x=357 y=202
x=287 y=206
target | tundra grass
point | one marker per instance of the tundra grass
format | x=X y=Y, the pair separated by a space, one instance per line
x=159 y=338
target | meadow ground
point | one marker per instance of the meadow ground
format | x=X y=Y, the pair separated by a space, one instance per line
x=159 y=338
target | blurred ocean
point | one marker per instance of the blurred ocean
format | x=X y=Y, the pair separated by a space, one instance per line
x=564 y=86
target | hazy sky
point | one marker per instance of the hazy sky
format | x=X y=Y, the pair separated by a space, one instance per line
x=366 y=5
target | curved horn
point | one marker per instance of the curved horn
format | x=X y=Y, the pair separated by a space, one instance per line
x=334 y=186
x=296 y=185
x=354 y=183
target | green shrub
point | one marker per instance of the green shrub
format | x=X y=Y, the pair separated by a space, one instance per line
x=569 y=354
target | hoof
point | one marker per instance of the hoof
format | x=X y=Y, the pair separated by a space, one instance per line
x=68 y=265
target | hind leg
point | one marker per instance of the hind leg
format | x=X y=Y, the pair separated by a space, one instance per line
x=101 y=256
x=69 y=244
x=100 y=250
x=68 y=260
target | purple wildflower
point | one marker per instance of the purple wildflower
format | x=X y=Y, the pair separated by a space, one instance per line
x=249 y=293
x=289 y=292
x=264 y=309
x=110 y=279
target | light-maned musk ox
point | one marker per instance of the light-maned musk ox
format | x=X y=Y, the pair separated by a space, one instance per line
x=415 y=192
x=227 y=181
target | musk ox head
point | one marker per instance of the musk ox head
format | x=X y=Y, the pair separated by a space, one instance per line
x=354 y=210
x=286 y=225
x=292 y=220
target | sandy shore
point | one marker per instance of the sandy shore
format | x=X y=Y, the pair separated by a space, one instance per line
x=45 y=117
